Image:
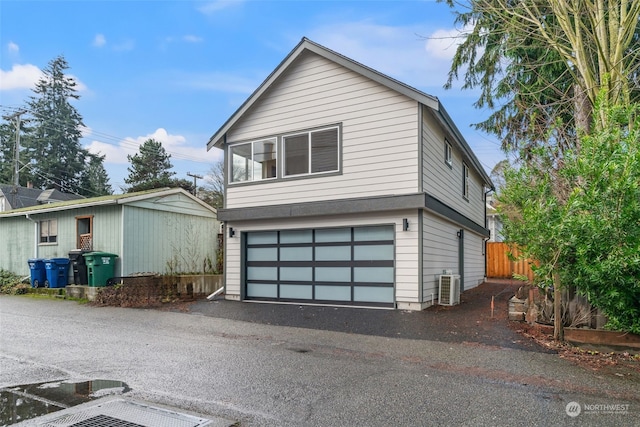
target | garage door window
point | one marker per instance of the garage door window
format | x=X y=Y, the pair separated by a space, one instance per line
x=353 y=265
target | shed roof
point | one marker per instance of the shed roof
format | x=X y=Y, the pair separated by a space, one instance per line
x=432 y=102
x=114 y=199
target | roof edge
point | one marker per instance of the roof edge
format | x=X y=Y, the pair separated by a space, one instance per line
x=217 y=139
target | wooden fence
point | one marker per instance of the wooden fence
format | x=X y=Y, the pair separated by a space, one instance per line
x=500 y=266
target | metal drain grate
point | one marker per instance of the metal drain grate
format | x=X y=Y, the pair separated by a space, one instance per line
x=124 y=413
x=105 y=421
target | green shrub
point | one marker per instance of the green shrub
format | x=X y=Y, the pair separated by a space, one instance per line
x=11 y=284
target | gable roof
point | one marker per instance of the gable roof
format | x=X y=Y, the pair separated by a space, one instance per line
x=114 y=199
x=22 y=197
x=218 y=139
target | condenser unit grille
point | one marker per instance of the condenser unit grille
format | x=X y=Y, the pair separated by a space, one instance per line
x=449 y=289
x=445 y=290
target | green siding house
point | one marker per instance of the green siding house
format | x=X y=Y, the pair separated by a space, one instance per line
x=156 y=231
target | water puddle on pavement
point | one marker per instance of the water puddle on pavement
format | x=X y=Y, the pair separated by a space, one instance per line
x=20 y=403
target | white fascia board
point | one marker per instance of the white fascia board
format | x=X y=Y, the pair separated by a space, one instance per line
x=444 y=118
x=59 y=208
x=164 y=193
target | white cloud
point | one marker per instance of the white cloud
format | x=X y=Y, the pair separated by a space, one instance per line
x=192 y=39
x=20 y=77
x=99 y=40
x=176 y=145
x=443 y=43
x=13 y=48
x=26 y=76
x=212 y=7
x=80 y=87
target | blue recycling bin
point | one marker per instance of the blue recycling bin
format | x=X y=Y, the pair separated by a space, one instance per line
x=57 y=272
x=38 y=275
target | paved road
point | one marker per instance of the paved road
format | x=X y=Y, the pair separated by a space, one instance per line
x=264 y=375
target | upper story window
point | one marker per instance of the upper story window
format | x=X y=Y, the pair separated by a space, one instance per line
x=253 y=161
x=49 y=231
x=448 y=153
x=311 y=152
x=465 y=181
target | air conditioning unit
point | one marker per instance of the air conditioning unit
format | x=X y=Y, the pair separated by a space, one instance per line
x=449 y=289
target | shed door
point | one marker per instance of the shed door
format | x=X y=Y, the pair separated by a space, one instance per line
x=349 y=266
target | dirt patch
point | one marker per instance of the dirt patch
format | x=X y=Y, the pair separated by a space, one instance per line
x=618 y=363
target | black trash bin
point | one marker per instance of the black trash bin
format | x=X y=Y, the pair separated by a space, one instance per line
x=79 y=267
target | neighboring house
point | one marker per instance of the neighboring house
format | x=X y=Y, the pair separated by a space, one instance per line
x=494 y=223
x=151 y=231
x=345 y=186
x=13 y=197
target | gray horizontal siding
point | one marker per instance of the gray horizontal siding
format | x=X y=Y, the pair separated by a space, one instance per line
x=444 y=182
x=379 y=134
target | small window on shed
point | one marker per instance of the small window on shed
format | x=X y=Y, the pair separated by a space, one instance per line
x=49 y=231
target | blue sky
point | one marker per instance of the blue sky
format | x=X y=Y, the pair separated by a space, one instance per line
x=176 y=70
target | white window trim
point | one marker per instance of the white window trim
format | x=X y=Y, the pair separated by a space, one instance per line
x=308 y=133
x=448 y=154
x=465 y=181
x=252 y=142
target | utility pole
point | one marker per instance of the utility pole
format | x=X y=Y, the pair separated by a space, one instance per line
x=16 y=157
x=194 y=176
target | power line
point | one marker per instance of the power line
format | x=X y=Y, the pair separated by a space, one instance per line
x=104 y=137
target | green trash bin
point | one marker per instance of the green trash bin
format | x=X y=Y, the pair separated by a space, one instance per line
x=100 y=267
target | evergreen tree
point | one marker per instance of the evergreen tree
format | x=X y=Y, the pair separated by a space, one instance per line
x=150 y=168
x=540 y=65
x=7 y=152
x=52 y=140
x=95 y=177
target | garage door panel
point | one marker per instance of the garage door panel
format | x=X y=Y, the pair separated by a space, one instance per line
x=262 y=290
x=336 y=293
x=373 y=274
x=296 y=273
x=263 y=254
x=296 y=254
x=262 y=273
x=333 y=274
x=351 y=265
x=373 y=252
x=296 y=291
x=372 y=294
x=333 y=253
x=333 y=235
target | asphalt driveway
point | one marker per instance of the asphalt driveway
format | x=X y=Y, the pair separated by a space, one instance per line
x=468 y=322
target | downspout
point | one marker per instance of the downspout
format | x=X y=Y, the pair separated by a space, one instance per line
x=35 y=235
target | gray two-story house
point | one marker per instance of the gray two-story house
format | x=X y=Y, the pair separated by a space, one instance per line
x=347 y=187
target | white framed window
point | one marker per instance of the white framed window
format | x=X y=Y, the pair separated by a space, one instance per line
x=465 y=181
x=448 y=154
x=49 y=231
x=311 y=152
x=253 y=161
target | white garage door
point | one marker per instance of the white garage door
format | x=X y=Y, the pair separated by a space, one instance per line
x=350 y=266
